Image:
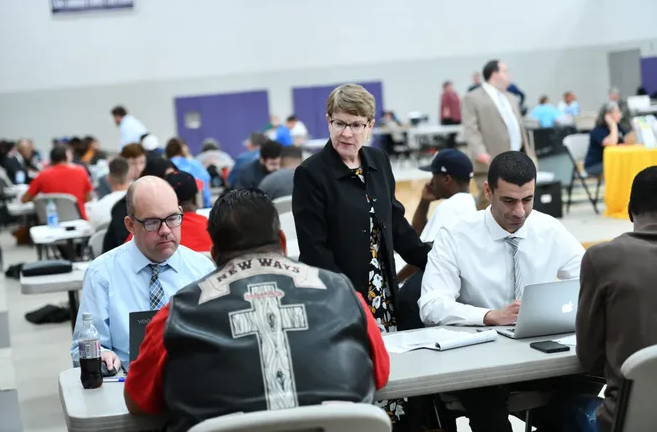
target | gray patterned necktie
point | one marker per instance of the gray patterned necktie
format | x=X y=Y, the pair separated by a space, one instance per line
x=155 y=290
x=517 y=280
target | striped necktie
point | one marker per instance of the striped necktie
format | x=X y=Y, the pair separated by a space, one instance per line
x=517 y=280
x=155 y=290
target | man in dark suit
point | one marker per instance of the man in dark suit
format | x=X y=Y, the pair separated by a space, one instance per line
x=617 y=300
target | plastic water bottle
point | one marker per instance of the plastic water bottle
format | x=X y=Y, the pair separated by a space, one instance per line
x=51 y=214
x=91 y=374
x=20 y=177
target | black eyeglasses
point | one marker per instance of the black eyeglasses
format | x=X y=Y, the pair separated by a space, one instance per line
x=356 y=127
x=154 y=224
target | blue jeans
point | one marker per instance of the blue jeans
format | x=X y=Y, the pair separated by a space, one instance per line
x=579 y=414
x=594 y=170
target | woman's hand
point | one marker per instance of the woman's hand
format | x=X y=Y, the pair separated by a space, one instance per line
x=610 y=121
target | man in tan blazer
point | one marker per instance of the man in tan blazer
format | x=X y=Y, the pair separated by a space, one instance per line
x=492 y=123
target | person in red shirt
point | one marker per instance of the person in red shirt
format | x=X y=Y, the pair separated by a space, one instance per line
x=194 y=229
x=261 y=332
x=62 y=177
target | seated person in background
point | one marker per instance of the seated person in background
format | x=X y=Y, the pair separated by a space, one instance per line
x=93 y=153
x=478 y=267
x=117 y=233
x=135 y=154
x=215 y=161
x=261 y=332
x=101 y=213
x=140 y=275
x=626 y=117
x=178 y=153
x=62 y=177
x=275 y=131
x=194 y=228
x=297 y=129
x=30 y=157
x=269 y=161
x=545 y=113
x=607 y=132
x=617 y=303
x=569 y=107
x=281 y=182
x=253 y=144
x=15 y=164
x=452 y=171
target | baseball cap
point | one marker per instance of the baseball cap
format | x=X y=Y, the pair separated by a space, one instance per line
x=183 y=183
x=150 y=142
x=451 y=162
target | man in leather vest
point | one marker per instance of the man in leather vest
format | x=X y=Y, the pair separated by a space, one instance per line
x=262 y=332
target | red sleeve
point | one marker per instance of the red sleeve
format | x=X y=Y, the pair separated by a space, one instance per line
x=144 y=381
x=378 y=351
x=35 y=187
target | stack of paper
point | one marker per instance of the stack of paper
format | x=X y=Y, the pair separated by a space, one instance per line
x=438 y=339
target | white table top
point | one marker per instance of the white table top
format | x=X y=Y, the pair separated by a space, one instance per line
x=413 y=373
x=43 y=234
x=7 y=373
x=17 y=208
x=55 y=283
x=204 y=212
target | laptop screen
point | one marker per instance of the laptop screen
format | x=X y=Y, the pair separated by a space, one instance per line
x=137 y=327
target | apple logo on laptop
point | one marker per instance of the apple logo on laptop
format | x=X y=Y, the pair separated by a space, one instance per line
x=567 y=308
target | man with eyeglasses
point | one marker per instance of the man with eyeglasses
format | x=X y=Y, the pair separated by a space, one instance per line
x=141 y=274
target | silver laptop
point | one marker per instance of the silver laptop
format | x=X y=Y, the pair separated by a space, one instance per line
x=546 y=309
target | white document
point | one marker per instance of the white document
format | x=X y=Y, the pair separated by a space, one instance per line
x=567 y=340
x=438 y=339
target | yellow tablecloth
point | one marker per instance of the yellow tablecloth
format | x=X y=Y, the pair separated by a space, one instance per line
x=621 y=165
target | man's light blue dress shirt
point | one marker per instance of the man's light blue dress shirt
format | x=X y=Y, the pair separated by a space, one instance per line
x=117 y=283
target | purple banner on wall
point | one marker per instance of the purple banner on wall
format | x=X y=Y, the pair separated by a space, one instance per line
x=310 y=105
x=66 y=6
x=228 y=118
x=649 y=74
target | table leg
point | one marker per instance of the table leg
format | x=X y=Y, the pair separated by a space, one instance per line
x=39 y=252
x=73 y=305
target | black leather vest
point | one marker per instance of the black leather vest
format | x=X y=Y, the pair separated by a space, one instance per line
x=264 y=332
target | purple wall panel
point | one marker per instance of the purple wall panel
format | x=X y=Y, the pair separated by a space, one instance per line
x=649 y=74
x=229 y=118
x=310 y=105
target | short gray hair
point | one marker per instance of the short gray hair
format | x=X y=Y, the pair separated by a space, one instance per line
x=608 y=107
x=129 y=199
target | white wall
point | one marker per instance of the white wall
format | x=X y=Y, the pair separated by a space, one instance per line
x=60 y=76
x=174 y=39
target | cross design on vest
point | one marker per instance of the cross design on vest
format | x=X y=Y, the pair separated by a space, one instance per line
x=270 y=321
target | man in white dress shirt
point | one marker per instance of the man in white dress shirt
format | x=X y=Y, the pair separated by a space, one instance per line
x=478 y=267
x=452 y=171
x=100 y=214
x=131 y=130
x=141 y=274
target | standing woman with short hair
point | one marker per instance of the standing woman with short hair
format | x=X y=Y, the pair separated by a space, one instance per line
x=347 y=217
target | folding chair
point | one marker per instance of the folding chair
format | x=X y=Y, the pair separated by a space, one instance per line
x=96 y=243
x=331 y=417
x=283 y=204
x=635 y=409
x=577 y=146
